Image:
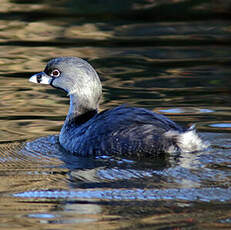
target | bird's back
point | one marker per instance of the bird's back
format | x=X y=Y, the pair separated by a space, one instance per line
x=122 y=130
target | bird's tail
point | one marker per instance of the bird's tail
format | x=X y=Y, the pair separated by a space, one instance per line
x=187 y=141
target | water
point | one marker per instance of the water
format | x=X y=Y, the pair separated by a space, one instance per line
x=172 y=57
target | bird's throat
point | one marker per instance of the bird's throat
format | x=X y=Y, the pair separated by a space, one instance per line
x=80 y=111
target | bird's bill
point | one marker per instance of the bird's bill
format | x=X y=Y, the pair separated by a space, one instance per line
x=41 y=78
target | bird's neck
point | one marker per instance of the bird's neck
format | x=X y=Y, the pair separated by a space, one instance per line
x=80 y=110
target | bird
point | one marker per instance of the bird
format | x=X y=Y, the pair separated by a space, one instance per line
x=122 y=130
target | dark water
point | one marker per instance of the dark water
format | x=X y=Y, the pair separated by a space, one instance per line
x=172 y=57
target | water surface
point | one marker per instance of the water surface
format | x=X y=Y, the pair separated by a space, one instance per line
x=172 y=57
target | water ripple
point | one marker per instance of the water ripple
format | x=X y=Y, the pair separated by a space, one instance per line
x=202 y=194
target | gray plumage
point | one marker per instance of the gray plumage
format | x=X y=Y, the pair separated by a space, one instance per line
x=122 y=130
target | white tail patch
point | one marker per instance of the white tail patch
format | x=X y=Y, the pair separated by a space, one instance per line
x=188 y=141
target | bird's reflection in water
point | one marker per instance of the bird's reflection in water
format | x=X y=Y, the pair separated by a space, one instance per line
x=99 y=171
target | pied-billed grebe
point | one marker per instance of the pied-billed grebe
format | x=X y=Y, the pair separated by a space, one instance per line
x=121 y=130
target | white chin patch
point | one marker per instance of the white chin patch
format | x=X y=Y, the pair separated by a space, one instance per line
x=41 y=79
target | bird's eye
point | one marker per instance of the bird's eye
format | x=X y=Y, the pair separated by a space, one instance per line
x=55 y=73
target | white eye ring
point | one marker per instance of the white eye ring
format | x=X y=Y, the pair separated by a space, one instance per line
x=55 y=73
